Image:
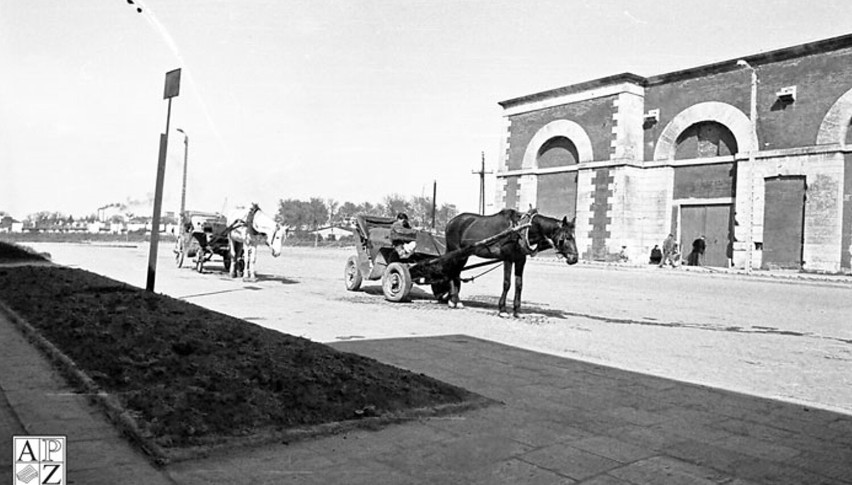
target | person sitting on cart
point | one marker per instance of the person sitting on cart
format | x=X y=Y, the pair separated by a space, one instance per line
x=403 y=237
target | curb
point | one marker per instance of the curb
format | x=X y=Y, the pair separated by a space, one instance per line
x=80 y=380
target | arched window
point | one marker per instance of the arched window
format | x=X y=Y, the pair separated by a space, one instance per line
x=558 y=151
x=705 y=139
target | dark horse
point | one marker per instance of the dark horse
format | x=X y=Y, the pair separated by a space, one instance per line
x=544 y=232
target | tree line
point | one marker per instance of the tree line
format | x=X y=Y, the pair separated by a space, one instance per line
x=315 y=213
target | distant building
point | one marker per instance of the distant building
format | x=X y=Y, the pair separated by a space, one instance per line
x=333 y=233
x=635 y=158
x=9 y=224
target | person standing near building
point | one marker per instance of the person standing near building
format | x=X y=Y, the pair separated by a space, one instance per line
x=697 y=254
x=669 y=251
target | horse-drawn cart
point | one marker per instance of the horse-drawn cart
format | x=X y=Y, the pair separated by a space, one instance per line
x=378 y=258
x=202 y=235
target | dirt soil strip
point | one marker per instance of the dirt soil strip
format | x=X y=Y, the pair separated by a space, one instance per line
x=288 y=389
x=127 y=425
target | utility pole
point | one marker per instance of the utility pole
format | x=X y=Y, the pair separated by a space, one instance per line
x=183 y=187
x=434 y=206
x=482 y=173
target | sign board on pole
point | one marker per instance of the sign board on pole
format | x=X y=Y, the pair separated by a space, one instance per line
x=172 y=84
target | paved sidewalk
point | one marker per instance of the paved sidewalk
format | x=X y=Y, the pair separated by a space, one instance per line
x=558 y=421
x=35 y=400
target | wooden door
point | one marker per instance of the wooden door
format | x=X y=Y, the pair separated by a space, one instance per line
x=783 y=222
x=714 y=223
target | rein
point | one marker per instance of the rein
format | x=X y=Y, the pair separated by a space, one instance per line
x=495 y=263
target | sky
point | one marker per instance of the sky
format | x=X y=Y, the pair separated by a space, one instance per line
x=350 y=100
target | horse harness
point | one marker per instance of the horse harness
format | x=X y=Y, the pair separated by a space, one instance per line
x=525 y=223
x=248 y=222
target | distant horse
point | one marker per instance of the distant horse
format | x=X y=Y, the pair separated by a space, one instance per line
x=248 y=229
x=543 y=232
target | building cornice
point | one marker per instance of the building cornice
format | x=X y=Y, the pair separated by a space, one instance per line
x=591 y=89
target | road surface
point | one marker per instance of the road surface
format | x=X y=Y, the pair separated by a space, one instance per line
x=777 y=339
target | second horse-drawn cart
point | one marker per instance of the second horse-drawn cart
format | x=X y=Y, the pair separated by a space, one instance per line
x=203 y=235
x=377 y=258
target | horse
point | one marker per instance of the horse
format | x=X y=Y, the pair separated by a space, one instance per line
x=543 y=232
x=247 y=230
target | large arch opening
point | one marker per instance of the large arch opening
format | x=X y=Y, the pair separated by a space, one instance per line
x=705 y=139
x=556 y=193
x=559 y=151
x=734 y=120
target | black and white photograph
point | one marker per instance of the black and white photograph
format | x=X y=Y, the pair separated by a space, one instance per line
x=425 y=242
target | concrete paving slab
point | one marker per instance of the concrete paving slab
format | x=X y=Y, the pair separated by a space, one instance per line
x=39 y=402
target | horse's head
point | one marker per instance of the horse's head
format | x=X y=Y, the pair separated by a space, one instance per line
x=267 y=226
x=563 y=239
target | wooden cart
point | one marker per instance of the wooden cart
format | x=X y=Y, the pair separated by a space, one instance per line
x=202 y=236
x=377 y=258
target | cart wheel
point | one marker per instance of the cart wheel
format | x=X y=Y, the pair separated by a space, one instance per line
x=441 y=290
x=396 y=282
x=180 y=251
x=352 y=276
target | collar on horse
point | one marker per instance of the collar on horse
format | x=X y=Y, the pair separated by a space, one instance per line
x=524 y=235
x=248 y=222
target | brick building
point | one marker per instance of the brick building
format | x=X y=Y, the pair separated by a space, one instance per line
x=635 y=158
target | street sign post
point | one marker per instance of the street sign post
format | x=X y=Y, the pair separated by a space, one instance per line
x=172 y=89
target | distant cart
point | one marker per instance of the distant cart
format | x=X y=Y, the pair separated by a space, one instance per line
x=202 y=236
x=377 y=258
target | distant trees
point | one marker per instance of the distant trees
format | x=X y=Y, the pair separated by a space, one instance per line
x=315 y=213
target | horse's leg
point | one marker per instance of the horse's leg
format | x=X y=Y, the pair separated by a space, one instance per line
x=519 y=285
x=507 y=283
x=232 y=249
x=251 y=260
x=455 y=288
x=457 y=281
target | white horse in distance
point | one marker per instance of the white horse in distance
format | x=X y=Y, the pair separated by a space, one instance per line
x=250 y=228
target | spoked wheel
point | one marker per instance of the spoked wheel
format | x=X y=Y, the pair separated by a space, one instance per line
x=396 y=282
x=351 y=275
x=180 y=251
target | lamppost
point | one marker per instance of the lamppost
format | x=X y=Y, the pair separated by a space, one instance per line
x=183 y=187
x=751 y=170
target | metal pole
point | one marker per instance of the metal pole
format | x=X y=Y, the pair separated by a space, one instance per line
x=482 y=186
x=158 y=203
x=183 y=187
x=434 y=206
